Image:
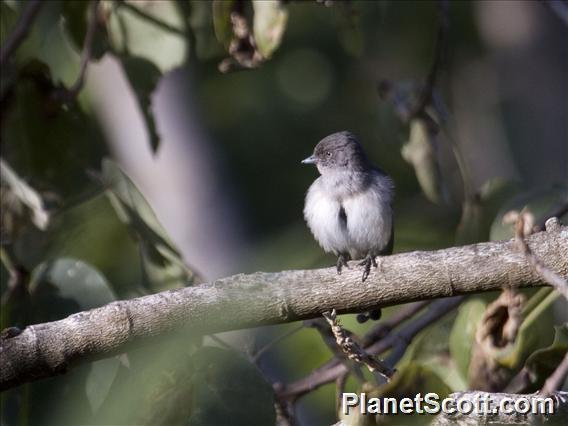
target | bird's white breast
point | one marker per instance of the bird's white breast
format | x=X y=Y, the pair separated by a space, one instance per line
x=368 y=213
x=321 y=212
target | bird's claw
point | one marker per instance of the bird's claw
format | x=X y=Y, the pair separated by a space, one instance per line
x=341 y=262
x=366 y=263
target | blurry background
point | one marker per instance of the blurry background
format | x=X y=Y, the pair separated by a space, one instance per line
x=226 y=181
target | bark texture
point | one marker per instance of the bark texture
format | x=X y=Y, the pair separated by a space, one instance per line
x=242 y=301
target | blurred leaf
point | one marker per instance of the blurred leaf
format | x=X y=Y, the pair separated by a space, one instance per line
x=8 y=17
x=162 y=261
x=75 y=19
x=543 y=362
x=143 y=77
x=222 y=21
x=63 y=287
x=462 y=336
x=539 y=203
x=421 y=152
x=503 y=350
x=270 y=18
x=478 y=214
x=50 y=143
x=99 y=381
x=350 y=32
x=69 y=280
x=229 y=390
x=20 y=202
x=131 y=34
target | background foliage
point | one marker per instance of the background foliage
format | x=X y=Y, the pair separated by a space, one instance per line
x=216 y=154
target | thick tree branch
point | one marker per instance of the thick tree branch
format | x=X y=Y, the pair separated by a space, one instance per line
x=241 y=301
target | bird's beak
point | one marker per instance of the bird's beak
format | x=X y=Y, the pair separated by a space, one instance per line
x=310 y=160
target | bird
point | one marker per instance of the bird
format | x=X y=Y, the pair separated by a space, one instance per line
x=348 y=208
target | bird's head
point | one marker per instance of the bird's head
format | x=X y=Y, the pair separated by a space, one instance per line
x=338 y=152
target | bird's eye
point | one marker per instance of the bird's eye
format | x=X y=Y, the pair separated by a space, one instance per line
x=328 y=154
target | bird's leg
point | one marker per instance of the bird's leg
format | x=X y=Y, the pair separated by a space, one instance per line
x=366 y=263
x=341 y=262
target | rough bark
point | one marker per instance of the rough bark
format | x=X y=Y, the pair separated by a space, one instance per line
x=241 y=301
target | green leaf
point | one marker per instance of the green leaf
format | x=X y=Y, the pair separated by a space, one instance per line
x=539 y=203
x=75 y=19
x=132 y=34
x=222 y=21
x=163 y=265
x=270 y=18
x=421 y=152
x=61 y=144
x=65 y=286
x=463 y=333
x=143 y=77
x=543 y=362
x=229 y=390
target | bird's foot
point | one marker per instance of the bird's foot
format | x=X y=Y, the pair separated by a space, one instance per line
x=366 y=263
x=341 y=262
x=373 y=315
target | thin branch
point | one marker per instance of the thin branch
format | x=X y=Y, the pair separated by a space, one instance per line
x=152 y=19
x=524 y=224
x=439 y=57
x=243 y=301
x=261 y=351
x=21 y=30
x=556 y=379
x=323 y=376
x=353 y=350
x=92 y=24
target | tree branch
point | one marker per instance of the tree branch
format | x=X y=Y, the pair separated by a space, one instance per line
x=21 y=30
x=332 y=371
x=242 y=301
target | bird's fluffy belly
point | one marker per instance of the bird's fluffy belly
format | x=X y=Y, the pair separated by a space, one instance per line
x=367 y=227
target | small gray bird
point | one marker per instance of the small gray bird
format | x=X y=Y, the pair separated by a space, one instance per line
x=349 y=207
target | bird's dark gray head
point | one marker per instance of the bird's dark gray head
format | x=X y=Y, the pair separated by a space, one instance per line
x=338 y=151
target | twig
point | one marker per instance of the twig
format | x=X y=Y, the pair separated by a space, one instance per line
x=260 y=352
x=92 y=23
x=353 y=350
x=524 y=224
x=21 y=30
x=323 y=376
x=403 y=314
x=439 y=56
x=383 y=328
x=554 y=382
x=152 y=19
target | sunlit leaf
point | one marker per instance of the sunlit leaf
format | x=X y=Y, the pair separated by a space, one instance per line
x=270 y=18
x=421 y=152
x=463 y=333
x=132 y=34
x=229 y=390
